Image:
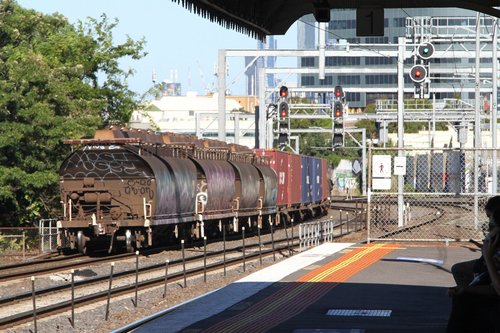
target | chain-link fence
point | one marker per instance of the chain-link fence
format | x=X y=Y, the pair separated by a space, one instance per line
x=430 y=194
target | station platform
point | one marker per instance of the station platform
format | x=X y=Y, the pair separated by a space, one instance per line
x=333 y=288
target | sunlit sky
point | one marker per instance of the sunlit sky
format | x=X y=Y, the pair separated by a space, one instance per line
x=177 y=41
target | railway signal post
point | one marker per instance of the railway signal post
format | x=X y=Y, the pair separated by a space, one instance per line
x=420 y=72
x=283 y=118
x=338 y=118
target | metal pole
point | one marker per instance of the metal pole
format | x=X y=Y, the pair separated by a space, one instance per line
x=272 y=237
x=224 y=246
x=286 y=235
x=401 y=86
x=221 y=87
x=243 y=249
x=347 y=221
x=50 y=235
x=363 y=158
x=34 y=301
x=494 y=114
x=260 y=244
x=183 y=263
x=136 y=275
x=166 y=278
x=477 y=125
x=263 y=141
x=205 y=259
x=40 y=232
x=368 y=196
x=237 y=128
x=24 y=245
x=321 y=50
x=433 y=120
x=73 y=298
x=109 y=290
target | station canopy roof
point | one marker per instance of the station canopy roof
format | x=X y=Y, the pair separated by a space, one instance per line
x=259 y=18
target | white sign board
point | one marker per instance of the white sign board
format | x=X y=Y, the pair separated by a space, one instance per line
x=381 y=166
x=381 y=183
x=400 y=166
x=381 y=172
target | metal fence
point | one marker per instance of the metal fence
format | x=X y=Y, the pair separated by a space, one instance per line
x=430 y=194
x=47 y=229
x=318 y=232
x=28 y=241
x=15 y=242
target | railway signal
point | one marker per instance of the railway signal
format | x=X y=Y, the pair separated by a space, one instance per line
x=425 y=51
x=283 y=110
x=420 y=72
x=338 y=135
x=338 y=110
x=338 y=92
x=283 y=92
x=283 y=118
x=338 y=118
x=338 y=140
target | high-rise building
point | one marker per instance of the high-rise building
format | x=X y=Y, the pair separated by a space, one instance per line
x=253 y=64
x=452 y=31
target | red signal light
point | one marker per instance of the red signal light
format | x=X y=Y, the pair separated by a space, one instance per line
x=338 y=92
x=283 y=109
x=418 y=73
x=284 y=92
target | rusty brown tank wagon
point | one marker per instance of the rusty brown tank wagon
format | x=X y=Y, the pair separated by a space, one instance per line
x=140 y=189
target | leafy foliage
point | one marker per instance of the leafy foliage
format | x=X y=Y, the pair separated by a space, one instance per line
x=57 y=81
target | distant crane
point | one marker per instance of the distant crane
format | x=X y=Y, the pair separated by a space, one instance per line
x=208 y=89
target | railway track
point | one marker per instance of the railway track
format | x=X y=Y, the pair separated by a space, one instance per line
x=429 y=216
x=19 y=304
x=18 y=307
x=60 y=263
x=43 y=260
x=36 y=268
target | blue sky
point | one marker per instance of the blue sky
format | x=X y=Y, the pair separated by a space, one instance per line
x=177 y=39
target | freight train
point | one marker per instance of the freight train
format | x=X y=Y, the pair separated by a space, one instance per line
x=137 y=189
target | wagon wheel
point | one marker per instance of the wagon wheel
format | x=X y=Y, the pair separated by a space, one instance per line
x=81 y=242
x=128 y=241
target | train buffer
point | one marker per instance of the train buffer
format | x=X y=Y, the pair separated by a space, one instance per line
x=334 y=287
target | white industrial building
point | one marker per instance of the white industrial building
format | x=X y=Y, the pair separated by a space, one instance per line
x=196 y=115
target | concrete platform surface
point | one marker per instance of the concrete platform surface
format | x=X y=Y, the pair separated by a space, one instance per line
x=333 y=288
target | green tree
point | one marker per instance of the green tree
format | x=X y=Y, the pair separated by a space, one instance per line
x=57 y=81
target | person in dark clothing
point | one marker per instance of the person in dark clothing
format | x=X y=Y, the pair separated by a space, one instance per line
x=465 y=272
x=476 y=306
